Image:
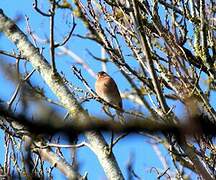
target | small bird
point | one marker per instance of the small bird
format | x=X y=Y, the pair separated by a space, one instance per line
x=107 y=89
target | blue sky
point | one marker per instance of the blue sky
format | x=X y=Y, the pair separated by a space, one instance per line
x=134 y=145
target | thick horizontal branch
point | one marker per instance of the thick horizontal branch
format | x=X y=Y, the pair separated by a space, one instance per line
x=132 y=126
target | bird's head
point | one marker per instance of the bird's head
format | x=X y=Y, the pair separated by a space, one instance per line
x=101 y=74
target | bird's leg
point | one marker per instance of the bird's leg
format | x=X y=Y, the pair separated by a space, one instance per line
x=107 y=111
x=120 y=117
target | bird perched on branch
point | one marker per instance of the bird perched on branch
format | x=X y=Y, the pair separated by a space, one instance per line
x=107 y=89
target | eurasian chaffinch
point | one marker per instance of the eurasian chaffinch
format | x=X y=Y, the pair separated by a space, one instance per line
x=107 y=89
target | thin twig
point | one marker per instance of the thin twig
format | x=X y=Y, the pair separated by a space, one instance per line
x=66 y=145
x=111 y=142
x=119 y=138
x=52 y=45
x=35 y=6
x=66 y=39
x=18 y=88
x=28 y=27
x=12 y=54
x=78 y=60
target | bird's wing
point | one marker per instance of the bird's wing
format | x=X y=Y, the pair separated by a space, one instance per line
x=110 y=83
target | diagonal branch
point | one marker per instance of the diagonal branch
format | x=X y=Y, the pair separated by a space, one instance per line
x=48 y=155
x=146 y=50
